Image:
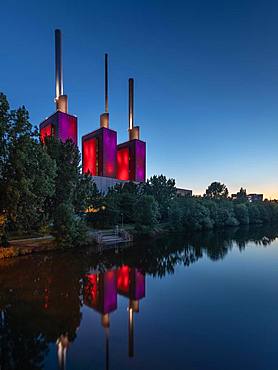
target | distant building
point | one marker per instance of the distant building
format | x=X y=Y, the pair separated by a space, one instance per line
x=184 y=192
x=255 y=197
x=250 y=197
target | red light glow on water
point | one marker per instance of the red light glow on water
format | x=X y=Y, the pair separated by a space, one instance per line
x=123 y=279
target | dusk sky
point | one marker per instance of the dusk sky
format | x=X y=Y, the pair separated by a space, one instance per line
x=206 y=80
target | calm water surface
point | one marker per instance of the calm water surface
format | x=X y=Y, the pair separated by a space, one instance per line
x=208 y=301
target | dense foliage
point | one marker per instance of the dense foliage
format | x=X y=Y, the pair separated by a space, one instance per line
x=41 y=186
x=155 y=205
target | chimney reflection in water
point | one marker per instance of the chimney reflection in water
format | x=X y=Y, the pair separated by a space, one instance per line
x=100 y=293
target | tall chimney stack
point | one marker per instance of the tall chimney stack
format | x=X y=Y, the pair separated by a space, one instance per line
x=131 y=103
x=133 y=130
x=104 y=117
x=58 y=63
x=106 y=83
x=60 y=99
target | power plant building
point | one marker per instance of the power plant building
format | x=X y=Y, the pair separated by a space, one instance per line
x=107 y=161
x=60 y=124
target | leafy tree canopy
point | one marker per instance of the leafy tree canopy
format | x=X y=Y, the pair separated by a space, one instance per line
x=217 y=190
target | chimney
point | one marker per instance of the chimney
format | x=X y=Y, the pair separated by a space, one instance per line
x=133 y=130
x=131 y=103
x=106 y=83
x=60 y=99
x=104 y=117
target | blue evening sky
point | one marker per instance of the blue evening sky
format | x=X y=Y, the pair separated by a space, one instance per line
x=206 y=79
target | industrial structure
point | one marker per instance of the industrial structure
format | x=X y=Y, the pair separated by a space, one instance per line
x=100 y=292
x=61 y=124
x=131 y=155
x=99 y=147
x=102 y=157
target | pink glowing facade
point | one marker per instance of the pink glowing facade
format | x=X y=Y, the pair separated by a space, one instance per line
x=99 y=152
x=131 y=282
x=100 y=291
x=131 y=161
x=123 y=163
x=60 y=124
x=47 y=130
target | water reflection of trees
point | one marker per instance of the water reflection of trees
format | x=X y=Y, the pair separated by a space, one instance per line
x=41 y=296
x=161 y=256
x=39 y=302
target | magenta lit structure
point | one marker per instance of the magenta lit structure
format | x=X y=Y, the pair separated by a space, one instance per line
x=100 y=291
x=131 y=155
x=131 y=284
x=99 y=147
x=99 y=152
x=60 y=124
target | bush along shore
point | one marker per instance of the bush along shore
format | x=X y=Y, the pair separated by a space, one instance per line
x=43 y=191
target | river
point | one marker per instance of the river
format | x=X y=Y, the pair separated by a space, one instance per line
x=194 y=302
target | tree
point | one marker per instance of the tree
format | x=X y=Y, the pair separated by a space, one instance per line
x=241 y=213
x=163 y=190
x=27 y=174
x=242 y=195
x=67 y=158
x=254 y=214
x=197 y=216
x=147 y=211
x=175 y=215
x=4 y=130
x=217 y=190
x=69 y=229
x=74 y=192
x=86 y=195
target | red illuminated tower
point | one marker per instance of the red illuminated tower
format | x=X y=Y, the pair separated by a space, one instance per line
x=99 y=147
x=131 y=155
x=60 y=124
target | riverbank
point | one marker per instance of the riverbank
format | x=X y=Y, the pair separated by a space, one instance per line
x=27 y=246
x=23 y=247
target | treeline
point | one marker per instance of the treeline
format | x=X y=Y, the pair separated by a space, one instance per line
x=155 y=204
x=43 y=191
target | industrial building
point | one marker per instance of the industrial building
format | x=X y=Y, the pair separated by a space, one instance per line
x=108 y=161
x=60 y=124
x=250 y=197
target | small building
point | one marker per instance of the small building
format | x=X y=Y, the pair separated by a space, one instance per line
x=255 y=197
x=184 y=192
x=250 y=197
